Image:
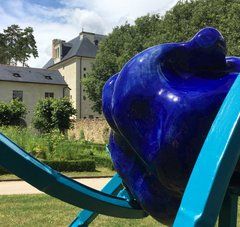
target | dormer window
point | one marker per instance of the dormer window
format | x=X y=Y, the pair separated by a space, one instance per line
x=16 y=75
x=48 y=77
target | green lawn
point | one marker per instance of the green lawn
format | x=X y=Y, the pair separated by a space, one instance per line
x=43 y=210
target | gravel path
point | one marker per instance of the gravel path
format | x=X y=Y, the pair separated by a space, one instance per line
x=21 y=187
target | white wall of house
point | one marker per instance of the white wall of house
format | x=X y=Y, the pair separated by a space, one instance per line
x=73 y=71
x=86 y=104
x=32 y=92
x=70 y=70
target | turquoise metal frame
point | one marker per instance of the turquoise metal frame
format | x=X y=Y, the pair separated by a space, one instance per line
x=207 y=194
x=85 y=217
x=53 y=183
x=215 y=165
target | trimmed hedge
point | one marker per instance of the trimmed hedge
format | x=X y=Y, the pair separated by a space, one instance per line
x=66 y=166
x=103 y=161
x=73 y=165
x=100 y=160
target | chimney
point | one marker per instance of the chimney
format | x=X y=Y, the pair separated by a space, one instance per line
x=55 y=43
x=57 y=49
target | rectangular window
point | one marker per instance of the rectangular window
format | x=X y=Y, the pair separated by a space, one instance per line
x=49 y=95
x=18 y=95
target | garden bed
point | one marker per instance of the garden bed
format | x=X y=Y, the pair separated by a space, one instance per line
x=59 y=151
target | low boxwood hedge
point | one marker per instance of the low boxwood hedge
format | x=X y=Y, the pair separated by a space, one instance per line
x=103 y=161
x=73 y=165
x=100 y=159
x=66 y=166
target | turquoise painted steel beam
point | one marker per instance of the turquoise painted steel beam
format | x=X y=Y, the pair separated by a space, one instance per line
x=215 y=165
x=85 y=217
x=44 y=178
x=113 y=187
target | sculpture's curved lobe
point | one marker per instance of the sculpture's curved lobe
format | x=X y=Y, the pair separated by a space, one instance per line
x=160 y=107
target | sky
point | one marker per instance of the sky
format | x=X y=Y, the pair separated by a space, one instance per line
x=65 y=19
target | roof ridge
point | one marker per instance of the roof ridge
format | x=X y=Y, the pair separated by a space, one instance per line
x=30 y=75
x=24 y=67
x=80 y=46
x=100 y=34
x=73 y=39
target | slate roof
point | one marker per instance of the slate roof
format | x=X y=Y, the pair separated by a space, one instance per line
x=77 y=47
x=30 y=75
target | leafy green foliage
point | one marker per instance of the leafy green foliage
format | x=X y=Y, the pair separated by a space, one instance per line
x=57 y=147
x=62 y=111
x=178 y=24
x=42 y=119
x=73 y=165
x=27 y=46
x=103 y=161
x=17 y=45
x=66 y=166
x=12 y=113
x=3 y=50
x=53 y=114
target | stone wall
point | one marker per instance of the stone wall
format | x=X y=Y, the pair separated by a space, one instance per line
x=96 y=130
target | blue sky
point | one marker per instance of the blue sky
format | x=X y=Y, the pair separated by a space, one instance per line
x=64 y=19
x=47 y=3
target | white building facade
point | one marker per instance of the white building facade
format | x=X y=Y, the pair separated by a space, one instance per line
x=74 y=61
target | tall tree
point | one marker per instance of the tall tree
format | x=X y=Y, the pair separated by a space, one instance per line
x=3 y=50
x=178 y=24
x=124 y=42
x=12 y=37
x=17 y=45
x=27 y=45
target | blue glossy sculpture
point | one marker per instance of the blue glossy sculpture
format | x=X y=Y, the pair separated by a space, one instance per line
x=160 y=107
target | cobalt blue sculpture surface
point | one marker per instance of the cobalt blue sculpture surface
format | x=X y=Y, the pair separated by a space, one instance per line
x=160 y=107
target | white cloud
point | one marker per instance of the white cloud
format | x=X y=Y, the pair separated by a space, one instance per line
x=98 y=16
x=89 y=20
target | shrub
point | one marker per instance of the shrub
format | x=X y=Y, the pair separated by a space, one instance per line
x=42 y=119
x=12 y=113
x=53 y=114
x=62 y=112
x=73 y=165
x=66 y=166
x=103 y=161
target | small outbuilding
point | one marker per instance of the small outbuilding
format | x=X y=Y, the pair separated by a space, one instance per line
x=30 y=85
